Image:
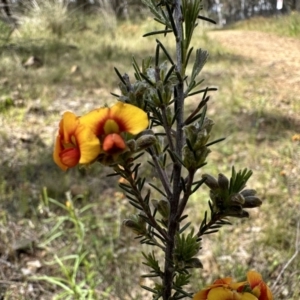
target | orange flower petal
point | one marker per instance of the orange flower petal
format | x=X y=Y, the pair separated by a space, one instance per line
x=70 y=157
x=254 y=278
x=57 y=150
x=113 y=143
x=258 y=286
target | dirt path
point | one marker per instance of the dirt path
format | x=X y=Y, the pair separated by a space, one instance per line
x=278 y=57
x=282 y=53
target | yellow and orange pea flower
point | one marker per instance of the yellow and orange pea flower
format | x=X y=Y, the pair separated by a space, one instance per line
x=258 y=286
x=80 y=140
x=224 y=289
x=108 y=124
x=75 y=143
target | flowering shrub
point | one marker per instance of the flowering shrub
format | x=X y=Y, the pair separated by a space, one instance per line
x=149 y=118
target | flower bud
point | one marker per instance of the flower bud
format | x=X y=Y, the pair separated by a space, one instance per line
x=169 y=115
x=152 y=93
x=216 y=199
x=123 y=88
x=195 y=263
x=236 y=199
x=164 y=208
x=151 y=74
x=191 y=133
x=131 y=144
x=208 y=124
x=145 y=141
x=252 y=201
x=201 y=155
x=136 y=224
x=248 y=192
x=147 y=131
x=154 y=203
x=201 y=139
x=210 y=181
x=188 y=157
x=235 y=211
x=167 y=93
x=163 y=69
x=223 y=182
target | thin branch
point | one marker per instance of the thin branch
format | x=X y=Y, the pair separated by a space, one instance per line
x=174 y=201
x=161 y=174
x=187 y=193
x=146 y=209
x=167 y=128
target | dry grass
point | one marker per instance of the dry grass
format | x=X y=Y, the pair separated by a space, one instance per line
x=257 y=116
x=284 y=25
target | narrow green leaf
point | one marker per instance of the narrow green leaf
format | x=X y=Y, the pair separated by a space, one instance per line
x=148 y=289
x=215 y=142
x=201 y=91
x=120 y=76
x=147 y=79
x=166 y=52
x=135 y=205
x=158 y=32
x=184 y=227
x=207 y=19
x=159 y=190
x=171 y=70
x=115 y=95
x=200 y=182
x=157 y=55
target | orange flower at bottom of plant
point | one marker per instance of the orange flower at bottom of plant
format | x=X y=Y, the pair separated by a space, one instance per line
x=258 y=286
x=224 y=289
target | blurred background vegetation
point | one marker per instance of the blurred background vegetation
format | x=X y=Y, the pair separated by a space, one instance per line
x=61 y=234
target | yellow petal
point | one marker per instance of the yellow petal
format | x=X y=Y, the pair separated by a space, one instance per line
x=129 y=117
x=258 y=286
x=96 y=120
x=68 y=125
x=248 y=296
x=222 y=293
x=201 y=295
x=254 y=278
x=226 y=280
x=88 y=144
x=238 y=286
